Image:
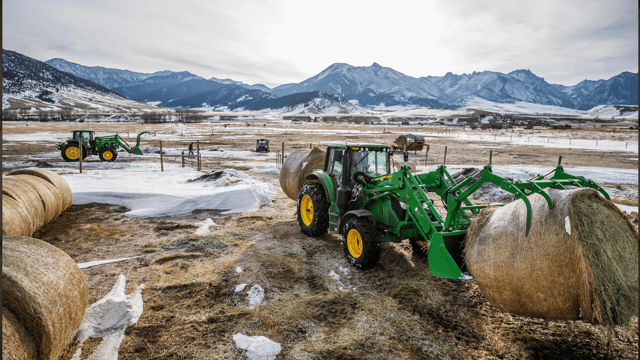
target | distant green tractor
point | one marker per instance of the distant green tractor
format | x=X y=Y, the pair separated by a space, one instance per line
x=104 y=146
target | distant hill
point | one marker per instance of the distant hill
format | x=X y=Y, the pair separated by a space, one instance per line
x=32 y=84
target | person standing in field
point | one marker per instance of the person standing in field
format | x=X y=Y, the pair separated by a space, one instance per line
x=191 y=149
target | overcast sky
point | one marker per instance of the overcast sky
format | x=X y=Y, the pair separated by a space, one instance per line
x=280 y=41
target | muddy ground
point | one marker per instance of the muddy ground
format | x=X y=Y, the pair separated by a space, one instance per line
x=394 y=311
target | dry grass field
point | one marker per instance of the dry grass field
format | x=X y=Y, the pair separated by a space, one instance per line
x=316 y=306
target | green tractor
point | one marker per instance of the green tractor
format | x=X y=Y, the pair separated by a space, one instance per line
x=104 y=146
x=356 y=196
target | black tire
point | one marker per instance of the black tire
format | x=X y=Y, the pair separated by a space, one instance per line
x=318 y=223
x=115 y=155
x=367 y=242
x=419 y=246
x=107 y=155
x=71 y=152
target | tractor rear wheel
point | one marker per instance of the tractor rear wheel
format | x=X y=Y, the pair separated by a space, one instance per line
x=70 y=152
x=107 y=155
x=313 y=210
x=361 y=243
x=419 y=246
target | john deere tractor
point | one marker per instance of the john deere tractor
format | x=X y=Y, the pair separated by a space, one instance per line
x=356 y=196
x=104 y=146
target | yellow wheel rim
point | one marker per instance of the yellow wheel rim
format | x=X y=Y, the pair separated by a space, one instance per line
x=306 y=210
x=108 y=155
x=354 y=243
x=72 y=152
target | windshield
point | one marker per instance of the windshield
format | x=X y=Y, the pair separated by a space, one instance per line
x=262 y=142
x=372 y=163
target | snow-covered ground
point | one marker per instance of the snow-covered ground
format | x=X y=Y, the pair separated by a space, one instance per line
x=170 y=193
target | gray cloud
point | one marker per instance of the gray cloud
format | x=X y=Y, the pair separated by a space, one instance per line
x=280 y=41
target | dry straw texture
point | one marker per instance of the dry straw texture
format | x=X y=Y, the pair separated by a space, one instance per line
x=589 y=272
x=411 y=164
x=54 y=179
x=29 y=198
x=17 y=344
x=46 y=291
x=16 y=221
x=48 y=193
x=298 y=165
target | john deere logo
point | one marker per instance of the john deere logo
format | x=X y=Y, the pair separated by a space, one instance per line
x=407 y=196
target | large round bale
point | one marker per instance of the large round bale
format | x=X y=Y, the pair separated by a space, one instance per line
x=16 y=220
x=29 y=198
x=411 y=141
x=298 y=165
x=49 y=194
x=45 y=290
x=579 y=262
x=398 y=164
x=17 y=344
x=55 y=180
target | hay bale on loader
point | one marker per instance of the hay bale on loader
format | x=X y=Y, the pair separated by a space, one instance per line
x=579 y=262
x=54 y=179
x=298 y=165
x=398 y=164
x=46 y=291
x=16 y=221
x=28 y=197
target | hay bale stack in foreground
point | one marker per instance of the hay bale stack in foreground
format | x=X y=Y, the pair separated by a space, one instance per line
x=579 y=262
x=28 y=197
x=17 y=344
x=298 y=165
x=16 y=220
x=49 y=195
x=46 y=292
x=54 y=179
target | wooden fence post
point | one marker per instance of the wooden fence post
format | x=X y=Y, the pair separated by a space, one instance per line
x=426 y=156
x=198 y=150
x=80 y=158
x=182 y=158
x=490 y=156
x=161 y=159
x=559 y=160
x=444 y=161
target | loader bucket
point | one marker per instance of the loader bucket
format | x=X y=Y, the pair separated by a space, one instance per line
x=441 y=263
x=136 y=151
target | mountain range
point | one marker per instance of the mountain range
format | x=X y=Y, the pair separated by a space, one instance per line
x=347 y=88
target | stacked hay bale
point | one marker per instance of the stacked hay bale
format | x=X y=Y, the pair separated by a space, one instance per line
x=31 y=198
x=579 y=261
x=298 y=165
x=44 y=295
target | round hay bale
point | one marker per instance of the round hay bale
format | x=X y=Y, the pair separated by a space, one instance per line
x=29 y=198
x=296 y=167
x=49 y=194
x=16 y=220
x=45 y=290
x=55 y=180
x=579 y=262
x=17 y=344
x=411 y=164
x=411 y=141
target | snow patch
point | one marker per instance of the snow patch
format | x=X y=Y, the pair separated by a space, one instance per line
x=255 y=295
x=204 y=227
x=240 y=288
x=257 y=347
x=567 y=225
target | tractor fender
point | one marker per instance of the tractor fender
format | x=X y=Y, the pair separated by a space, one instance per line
x=322 y=178
x=351 y=214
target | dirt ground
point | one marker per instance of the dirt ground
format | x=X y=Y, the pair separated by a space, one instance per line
x=316 y=305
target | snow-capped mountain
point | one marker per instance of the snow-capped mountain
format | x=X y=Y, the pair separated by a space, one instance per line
x=621 y=89
x=233 y=82
x=107 y=77
x=140 y=91
x=31 y=84
x=368 y=85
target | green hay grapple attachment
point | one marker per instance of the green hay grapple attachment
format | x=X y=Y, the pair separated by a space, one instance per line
x=356 y=196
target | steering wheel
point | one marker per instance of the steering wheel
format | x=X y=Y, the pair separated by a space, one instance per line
x=367 y=179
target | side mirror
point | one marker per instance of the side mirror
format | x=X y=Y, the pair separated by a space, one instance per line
x=406 y=156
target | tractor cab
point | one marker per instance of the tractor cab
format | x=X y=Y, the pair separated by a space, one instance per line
x=85 y=135
x=371 y=160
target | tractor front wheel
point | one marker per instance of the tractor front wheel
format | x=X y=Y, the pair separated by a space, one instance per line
x=313 y=210
x=107 y=155
x=419 y=246
x=70 y=152
x=361 y=243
